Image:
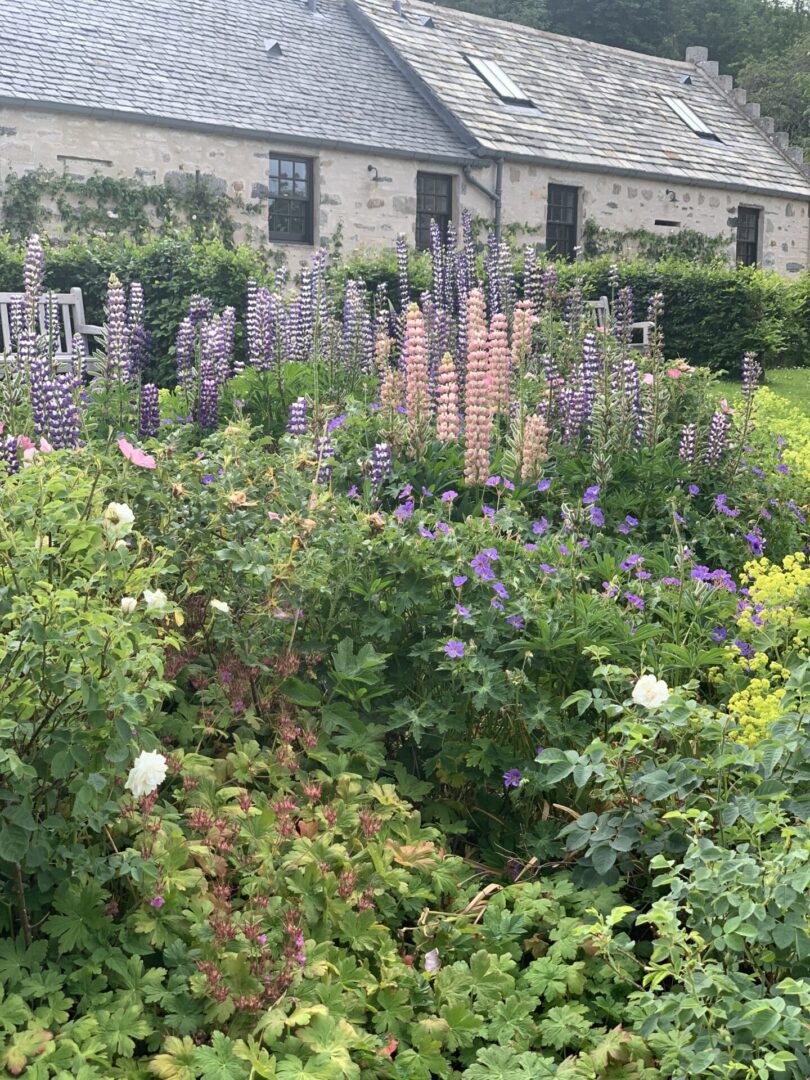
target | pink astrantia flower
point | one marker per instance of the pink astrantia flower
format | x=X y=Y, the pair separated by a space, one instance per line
x=136 y=456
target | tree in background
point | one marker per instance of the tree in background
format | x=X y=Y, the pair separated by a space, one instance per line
x=783 y=89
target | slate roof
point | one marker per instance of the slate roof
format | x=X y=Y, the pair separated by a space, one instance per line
x=204 y=62
x=597 y=107
x=358 y=74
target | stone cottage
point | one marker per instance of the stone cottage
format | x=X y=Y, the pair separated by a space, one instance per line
x=370 y=118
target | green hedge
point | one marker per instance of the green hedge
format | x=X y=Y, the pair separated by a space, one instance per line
x=712 y=314
x=171 y=269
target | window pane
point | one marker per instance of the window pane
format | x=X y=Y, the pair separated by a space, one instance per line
x=290 y=208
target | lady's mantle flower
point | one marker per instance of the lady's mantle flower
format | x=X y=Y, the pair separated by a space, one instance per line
x=454 y=649
x=147 y=774
x=117 y=520
x=155 y=600
x=128 y=604
x=221 y=606
x=650 y=692
x=512 y=778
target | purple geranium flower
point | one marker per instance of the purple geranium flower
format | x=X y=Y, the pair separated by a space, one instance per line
x=512 y=778
x=500 y=589
x=454 y=649
x=544 y=484
x=591 y=495
x=448 y=496
x=459 y=580
x=462 y=611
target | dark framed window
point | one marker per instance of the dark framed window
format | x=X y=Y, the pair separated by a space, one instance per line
x=290 y=209
x=748 y=218
x=561 y=220
x=434 y=202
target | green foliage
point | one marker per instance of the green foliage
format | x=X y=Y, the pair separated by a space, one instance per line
x=783 y=88
x=170 y=268
x=114 y=206
x=78 y=678
x=687 y=244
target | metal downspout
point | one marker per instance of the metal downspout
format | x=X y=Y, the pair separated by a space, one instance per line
x=495 y=196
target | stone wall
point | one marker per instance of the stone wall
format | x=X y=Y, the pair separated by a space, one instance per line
x=372 y=213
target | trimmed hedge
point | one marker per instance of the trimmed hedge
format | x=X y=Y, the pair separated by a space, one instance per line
x=171 y=270
x=712 y=314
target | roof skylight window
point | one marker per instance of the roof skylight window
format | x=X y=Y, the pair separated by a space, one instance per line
x=691 y=119
x=497 y=79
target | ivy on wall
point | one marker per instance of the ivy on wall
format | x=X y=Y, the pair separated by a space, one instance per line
x=43 y=201
x=687 y=244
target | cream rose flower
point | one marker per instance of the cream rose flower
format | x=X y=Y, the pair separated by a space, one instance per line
x=650 y=692
x=117 y=520
x=128 y=604
x=155 y=600
x=147 y=774
x=221 y=606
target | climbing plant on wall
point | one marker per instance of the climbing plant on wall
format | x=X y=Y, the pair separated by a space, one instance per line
x=44 y=201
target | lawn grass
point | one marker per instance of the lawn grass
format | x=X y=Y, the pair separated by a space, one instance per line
x=792 y=384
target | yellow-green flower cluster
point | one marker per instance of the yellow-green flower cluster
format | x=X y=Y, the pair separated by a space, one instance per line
x=755 y=708
x=776 y=414
x=777 y=593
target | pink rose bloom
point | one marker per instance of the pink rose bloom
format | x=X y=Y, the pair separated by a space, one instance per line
x=30 y=451
x=648 y=379
x=136 y=456
x=674 y=373
x=726 y=408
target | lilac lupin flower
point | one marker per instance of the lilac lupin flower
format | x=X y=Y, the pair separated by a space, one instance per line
x=117 y=333
x=686 y=449
x=10 y=454
x=297 y=422
x=751 y=374
x=33 y=276
x=149 y=415
x=326 y=454
x=209 y=395
x=140 y=340
x=199 y=309
x=381 y=461
x=717 y=439
x=404 y=285
x=623 y=319
x=185 y=346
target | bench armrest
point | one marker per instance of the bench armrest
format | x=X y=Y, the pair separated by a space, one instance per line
x=86 y=328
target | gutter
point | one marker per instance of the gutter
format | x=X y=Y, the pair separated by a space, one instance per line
x=495 y=196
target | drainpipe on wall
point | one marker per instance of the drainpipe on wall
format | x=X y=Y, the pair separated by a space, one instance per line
x=495 y=196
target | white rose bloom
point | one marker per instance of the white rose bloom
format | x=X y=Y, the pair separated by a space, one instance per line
x=432 y=961
x=147 y=774
x=128 y=604
x=117 y=520
x=220 y=605
x=155 y=601
x=650 y=692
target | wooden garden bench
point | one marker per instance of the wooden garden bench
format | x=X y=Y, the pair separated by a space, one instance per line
x=70 y=320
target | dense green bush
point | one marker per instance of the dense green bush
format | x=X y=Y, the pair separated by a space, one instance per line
x=171 y=269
